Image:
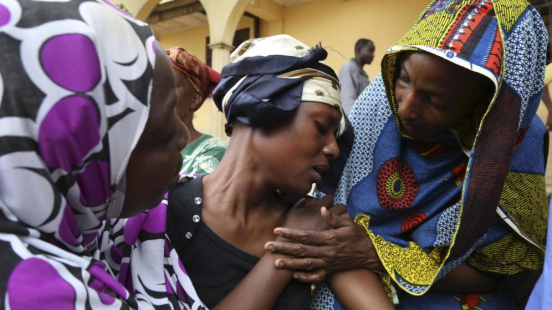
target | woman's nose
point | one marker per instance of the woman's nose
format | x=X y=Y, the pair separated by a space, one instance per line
x=331 y=150
x=408 y=108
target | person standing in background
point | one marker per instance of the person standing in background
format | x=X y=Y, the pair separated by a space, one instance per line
x=195 y=81
x=352 y=77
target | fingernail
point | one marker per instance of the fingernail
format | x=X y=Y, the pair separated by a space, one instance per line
x=277 y=232
x=326 y=210
x=295 y=276
x=269 y=247
x=280 y=263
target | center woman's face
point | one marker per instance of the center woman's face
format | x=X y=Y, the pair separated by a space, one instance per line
x=434 y=94
x=296 y=153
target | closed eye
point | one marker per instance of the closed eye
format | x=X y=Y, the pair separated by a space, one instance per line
x=404 y=79
x=322 y=129
x=439 y=103
x=439 y=107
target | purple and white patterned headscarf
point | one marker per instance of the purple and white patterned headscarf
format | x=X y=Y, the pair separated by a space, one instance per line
x=75 y=87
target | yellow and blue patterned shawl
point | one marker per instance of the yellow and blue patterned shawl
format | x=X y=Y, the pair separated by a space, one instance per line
x=477 y=196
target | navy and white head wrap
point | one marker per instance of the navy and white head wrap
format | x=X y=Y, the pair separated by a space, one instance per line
x=269 y=77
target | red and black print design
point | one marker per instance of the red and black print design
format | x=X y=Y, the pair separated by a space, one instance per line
x=397 y=185
x=459 y=173
x=465 y=33
x=520 y=136
x=413 y=221
x=431 y=149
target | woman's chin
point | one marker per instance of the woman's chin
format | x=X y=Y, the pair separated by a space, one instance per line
x=296 y=191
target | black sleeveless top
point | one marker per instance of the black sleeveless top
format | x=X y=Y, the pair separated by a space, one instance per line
x=214 y=265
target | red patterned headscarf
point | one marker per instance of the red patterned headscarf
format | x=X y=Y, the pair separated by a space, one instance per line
x=201 y=76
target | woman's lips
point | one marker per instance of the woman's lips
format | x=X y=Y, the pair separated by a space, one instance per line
x=409 y=128
x=316 y=176
x=319 y=170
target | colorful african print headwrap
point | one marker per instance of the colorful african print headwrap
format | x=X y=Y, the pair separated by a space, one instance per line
x=201 y=76
x=267 y=79
x=75 y=88
x=429 y=206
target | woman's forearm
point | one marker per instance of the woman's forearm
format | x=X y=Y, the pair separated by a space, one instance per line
x=468 y=280
x=359 y=289
x=546 y=98
x=260 y=288
x=264 y=283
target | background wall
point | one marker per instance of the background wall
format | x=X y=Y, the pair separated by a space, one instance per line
x=336 y=23
x=339 y=24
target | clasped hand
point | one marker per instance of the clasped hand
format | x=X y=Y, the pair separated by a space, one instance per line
x=322 y=240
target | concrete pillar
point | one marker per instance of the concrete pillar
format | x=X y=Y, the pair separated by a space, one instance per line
x=219 y=58
x=223 y=19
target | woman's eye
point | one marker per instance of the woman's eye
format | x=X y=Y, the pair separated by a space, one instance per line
x=439 y=106
x=323 y=130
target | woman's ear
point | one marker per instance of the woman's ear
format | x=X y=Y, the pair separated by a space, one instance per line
x=196 y=102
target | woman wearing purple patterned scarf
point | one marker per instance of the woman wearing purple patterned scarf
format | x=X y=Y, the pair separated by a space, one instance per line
x=89 y=144
x=87 y=133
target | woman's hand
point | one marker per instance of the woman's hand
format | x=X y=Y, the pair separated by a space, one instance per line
x=305 y=215
x=345 y=246
x=549 y=121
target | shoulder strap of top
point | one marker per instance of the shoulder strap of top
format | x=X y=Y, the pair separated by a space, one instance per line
x=184 y=212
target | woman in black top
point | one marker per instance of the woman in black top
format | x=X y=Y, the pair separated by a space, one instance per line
x=285 y=117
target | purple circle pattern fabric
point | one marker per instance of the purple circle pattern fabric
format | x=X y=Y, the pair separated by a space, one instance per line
x=75 y=84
